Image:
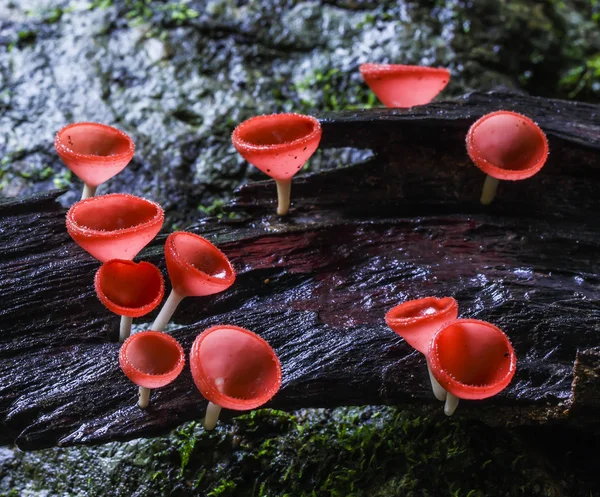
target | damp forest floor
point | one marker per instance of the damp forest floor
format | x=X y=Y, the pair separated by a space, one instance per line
x=369 y=451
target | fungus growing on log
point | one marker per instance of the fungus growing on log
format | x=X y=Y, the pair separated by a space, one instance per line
x=129 y=289
x=196 y=268
x=233 y=368
x=398 y=85
x=114 y=226
x=417 y=321
x=93 y=152
x=471 y=359
x=279 y=145
x=151 y=359
x=506 y=146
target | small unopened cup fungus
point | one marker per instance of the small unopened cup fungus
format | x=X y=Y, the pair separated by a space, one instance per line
x=196 y=268
x=398 y=85
x=234 y=369
x=279 y=145
x=417 y=320
x=151 y=359
x=115 y=226
x=93 y=152
x=129 y=289
x=506 y=146
x=471 y=359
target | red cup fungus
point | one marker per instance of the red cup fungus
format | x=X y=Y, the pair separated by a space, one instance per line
x=506 y=146
x=93 y=152
x=471 y=359
x=151 y=359
x=398 y=85
x=417 y=321
x=233 y=368
x=279 y=145
x=129 y=289
x=115 y=226
x=196 y=268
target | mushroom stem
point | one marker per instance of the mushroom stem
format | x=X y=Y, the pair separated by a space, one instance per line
x=88 y=191
x=212 y=416
x=489 y=190
x=438 y=390
x=144 y=395
x=167 y=311
x=451 y=404
x=284 y=187
x=125 y=329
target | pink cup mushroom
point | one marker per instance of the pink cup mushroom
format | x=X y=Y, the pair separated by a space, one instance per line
x=151 y=359
x=115 y=226
x=506 y=146
x=196 y=268
x=233 y=368
x=129 y=289
x=93 y=152
x=279 y=145
x=417 y=320
x=471 y=359
x=398 y=85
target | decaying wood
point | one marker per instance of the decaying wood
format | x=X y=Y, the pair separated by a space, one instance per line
x=316 y=285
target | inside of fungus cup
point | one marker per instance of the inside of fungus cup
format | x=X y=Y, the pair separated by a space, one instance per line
x=153 y=354
x=202 y=255
x=238 y=364
x=420 y=308
x=473 y=354
x=276 y=130
x=111 y=213
x=92 y=139
x=128 y=284
x=509 y=141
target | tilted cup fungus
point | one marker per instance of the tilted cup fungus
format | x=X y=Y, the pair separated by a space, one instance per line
x=397 y=85
x=93 y=152
x=115 y=226
x=471 y=359
x=506 y=146
x=151 y=359
x=279 y=145
x=196 y=268
x=129 y=289
x=233 y=368
x=417 y=320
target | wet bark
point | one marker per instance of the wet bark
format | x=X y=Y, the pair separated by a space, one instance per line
x=316 y=284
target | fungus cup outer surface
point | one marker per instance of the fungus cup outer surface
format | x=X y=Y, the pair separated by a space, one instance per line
x=507 y=145
x=278 y=144
x=128 y=288
x=247 y=364
x=403 y=86
x=114 y=226
x=417 y=320
x=472 y=359
x=94 y=152
x=151 y=359
x=196 y=266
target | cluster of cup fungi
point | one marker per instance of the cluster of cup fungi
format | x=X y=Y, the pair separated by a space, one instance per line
x=231 y=366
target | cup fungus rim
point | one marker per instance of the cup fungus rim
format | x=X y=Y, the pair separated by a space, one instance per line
x=230 y=271
x=242 y=144
x=498 y=172
x=64 y=150
x=142 y=376
x=450 y=305
x=209 y=389
x=384 y=69
x=464 y=390
x=73 y=225
x=133 y=312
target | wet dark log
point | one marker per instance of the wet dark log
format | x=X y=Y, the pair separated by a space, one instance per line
x=316 y=285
